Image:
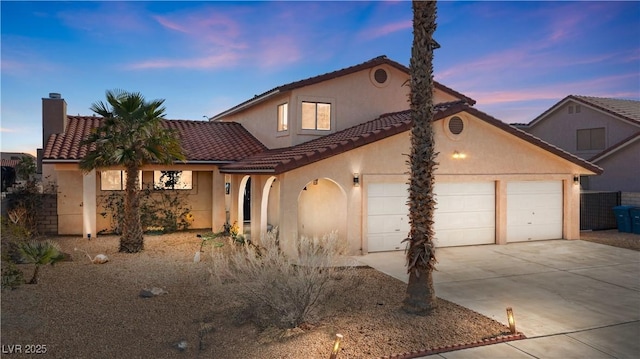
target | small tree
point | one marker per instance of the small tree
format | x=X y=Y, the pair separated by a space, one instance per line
x=26 y=168
x=39 y=253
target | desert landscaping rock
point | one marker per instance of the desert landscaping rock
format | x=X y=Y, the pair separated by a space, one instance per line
x=63 y=310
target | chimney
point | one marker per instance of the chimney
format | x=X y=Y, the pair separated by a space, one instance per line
x=54 y=116
x=54 y=119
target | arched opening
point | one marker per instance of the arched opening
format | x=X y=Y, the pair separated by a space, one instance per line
x=244 y=205
x=322 y=208
x=269 y=208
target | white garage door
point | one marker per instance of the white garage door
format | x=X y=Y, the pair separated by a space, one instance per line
x=387 y=216
x=534 y=210
x=465 y=215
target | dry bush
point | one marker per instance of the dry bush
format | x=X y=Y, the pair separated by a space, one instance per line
x=280 y=290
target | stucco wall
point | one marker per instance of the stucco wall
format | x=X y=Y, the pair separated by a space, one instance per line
x=69 y=202
x=355 y=99
x=560 y=128
x=491 y=155
x=621 y=171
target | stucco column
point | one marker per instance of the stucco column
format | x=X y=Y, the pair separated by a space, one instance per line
x=571 y=215
x=89 y=204
x=288 y=233
x=257 y=184
x=218 y=201
x=501 y=212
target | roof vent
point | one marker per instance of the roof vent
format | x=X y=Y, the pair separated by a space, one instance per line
x=54 y=95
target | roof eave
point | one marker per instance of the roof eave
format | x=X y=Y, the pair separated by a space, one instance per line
x=254 y=101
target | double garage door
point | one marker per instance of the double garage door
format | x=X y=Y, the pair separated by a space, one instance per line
x=466 y=213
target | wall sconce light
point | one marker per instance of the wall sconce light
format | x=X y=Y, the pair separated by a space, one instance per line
x=458 y=155
x=227 y=188
x=336 y=346
x=512 y=320
x=356 y=180
x=576 y=179
x=315 y=181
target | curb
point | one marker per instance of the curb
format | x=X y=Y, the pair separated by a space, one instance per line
x=448 y=348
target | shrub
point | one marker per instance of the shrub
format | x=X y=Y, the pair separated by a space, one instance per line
x=12 y=277
x=39 y=253
x=161 y=210
x=280 y=290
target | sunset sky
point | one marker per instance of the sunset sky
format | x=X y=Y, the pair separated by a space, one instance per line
x=516 y=59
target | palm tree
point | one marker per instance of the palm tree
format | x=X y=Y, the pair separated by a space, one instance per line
x=421 y=259
x=39 y=253
x=131 y=135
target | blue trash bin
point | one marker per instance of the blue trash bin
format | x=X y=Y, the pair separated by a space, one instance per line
x=635 y=219
x=623 y=218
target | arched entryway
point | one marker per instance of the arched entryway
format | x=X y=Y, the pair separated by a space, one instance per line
x=270 y=206
x=322 y=208
x=244 y=205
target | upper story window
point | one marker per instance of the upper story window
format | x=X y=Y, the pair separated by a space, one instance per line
x=114 y=180
x=172 y=179
x=590 y=139
x=283 y=115
x=316 y=116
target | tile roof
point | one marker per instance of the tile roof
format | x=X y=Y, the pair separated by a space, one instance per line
x=377 y=61
x=202 y=141
x=285 y=159
x=626 y=110
x=10 y=163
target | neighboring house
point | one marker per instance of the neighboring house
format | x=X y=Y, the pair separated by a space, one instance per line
x=330 y=153
x=604 y=131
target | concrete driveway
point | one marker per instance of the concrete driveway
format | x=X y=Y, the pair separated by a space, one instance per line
x=572 y=299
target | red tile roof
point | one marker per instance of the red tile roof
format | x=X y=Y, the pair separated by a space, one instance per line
x=203 y=141
x=380 y=60
x=10 y=163
x=285 y=159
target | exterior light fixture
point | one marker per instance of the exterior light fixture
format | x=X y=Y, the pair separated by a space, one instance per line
x=458 y=156
x=356 y=180
x=336 y=346
x=576 y=179
x=227 y=188
x=315 y=181
x=512 y=320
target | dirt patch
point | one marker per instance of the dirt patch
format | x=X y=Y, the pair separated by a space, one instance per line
x=613 y=238
x=80 y=309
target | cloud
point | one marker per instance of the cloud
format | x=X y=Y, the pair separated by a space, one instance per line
x=7 y=130
x=384 y=30
x=600 y=86
x=108 y=18
x=199 y=62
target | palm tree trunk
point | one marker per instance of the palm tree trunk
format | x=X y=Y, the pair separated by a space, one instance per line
x=34 y=279
x=132 y=240
x=421 y=297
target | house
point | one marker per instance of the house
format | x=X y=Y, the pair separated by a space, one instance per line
x=329 y=153
x=605 y=131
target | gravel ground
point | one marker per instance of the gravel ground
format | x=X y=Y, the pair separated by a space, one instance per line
x=613 y=238
x=85 y=310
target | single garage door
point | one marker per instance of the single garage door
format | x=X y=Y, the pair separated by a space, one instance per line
x=534 y=210
x=465 y=215
x=387 y=216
